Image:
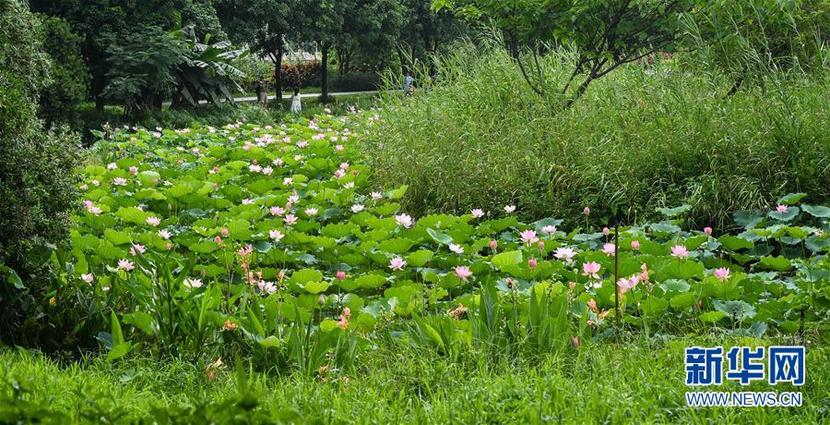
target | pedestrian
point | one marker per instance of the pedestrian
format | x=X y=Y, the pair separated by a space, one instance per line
x=408 y=85
x=296 y=103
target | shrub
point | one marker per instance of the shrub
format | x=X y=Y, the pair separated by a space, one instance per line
x=476 y=137
x=36 y=177
x=60 y=101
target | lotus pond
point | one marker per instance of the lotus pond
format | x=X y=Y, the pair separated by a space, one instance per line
x=271 y=241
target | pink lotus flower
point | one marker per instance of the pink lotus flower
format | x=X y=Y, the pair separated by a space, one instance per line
x=224 y=232
x=494 y=244
x=339 y=174
x=302 y=144
x=608 y=249
x=125 y=265
x=404 y=220
x=549 y=230
x=477 y=213
x=255 y=168
x=532 y=263
x=293 y=198
x=356 y=208
x=344 y=165
x=133 y=170
x=88 y=277
x=247 y=201
x=591 y=270
x=311 y=211
x=630 y=283
x=707 y=230
x=781 y=208
x=119 y=181
x=267 y=287
x=722 y=274
x=343 y=322
x=153 y=221
x=290 y=219
x=287 y=181
x=509 y=209
x=586 y=211
x=565 y=254
x=137 y=249
x=606 y=231
x=644 y=272
x=529 y=237
x=339 y=148
x=456 y=248
x=276 y=235
x=112 y=166
x=463 y=272
x=397 y=263
x=278 y=162
x=635 y=245
x=164 y=234
x=679 y=251
x=277 y=211
x=340 y=275
x=592 y=304
x=267 y=171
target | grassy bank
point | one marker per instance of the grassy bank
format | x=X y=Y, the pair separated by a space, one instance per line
x=640 y=138
x=638 y=381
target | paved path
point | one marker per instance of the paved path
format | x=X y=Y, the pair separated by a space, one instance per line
x=304 y=95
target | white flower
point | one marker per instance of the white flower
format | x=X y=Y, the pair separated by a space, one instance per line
x=193 y=283
x=276 y=235
x=356 y=208
x=458 y=249
x=164 y=234
x=509 y=208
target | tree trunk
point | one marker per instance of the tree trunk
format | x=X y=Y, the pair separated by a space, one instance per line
x=278 y=73
x=324 y=73
x=99 y=104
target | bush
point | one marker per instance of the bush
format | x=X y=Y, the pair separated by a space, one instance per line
x=60 y=101
x=477 y=137
x=36 y=178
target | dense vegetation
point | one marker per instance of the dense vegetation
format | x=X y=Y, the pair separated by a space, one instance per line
x=647 y=136
x=579 y=191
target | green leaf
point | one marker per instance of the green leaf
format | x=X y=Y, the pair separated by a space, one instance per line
x=440 y=237
x=712 y=316
x=653 y=306
x=397 y=193
x=507 y=259
x=316 y=287
x=141 y=320
x=683 y=301
x=816 y=211
x=791 y=198
x=271 y=342
x=749 y=219
x=734 y=243
x=303 y=276
x=790 y=214
x=776 y=263
x=419 y=258
x=673 y=212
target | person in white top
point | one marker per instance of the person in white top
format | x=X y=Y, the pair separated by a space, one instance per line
x=296 y=103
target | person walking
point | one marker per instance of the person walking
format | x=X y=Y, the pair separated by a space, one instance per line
x=296 y=103
x=408 y=85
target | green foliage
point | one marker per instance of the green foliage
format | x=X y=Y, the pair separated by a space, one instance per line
x=750 y=39
x=60 y=101
x=400 y=383
x=37 y=180
x=605 y=34
x=642 y=139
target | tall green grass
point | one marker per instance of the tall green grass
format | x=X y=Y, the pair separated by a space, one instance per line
x=639 y=381
x=475 y=136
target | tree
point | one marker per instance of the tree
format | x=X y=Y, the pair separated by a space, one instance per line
x=605 y=34
x=61 y=100
x=426 y=30
x=263 y=25
x=371 y=32
x=37 y=177
x=322 y=21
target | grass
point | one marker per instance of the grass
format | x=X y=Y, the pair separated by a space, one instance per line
x=477 y=137
x=637 y=381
